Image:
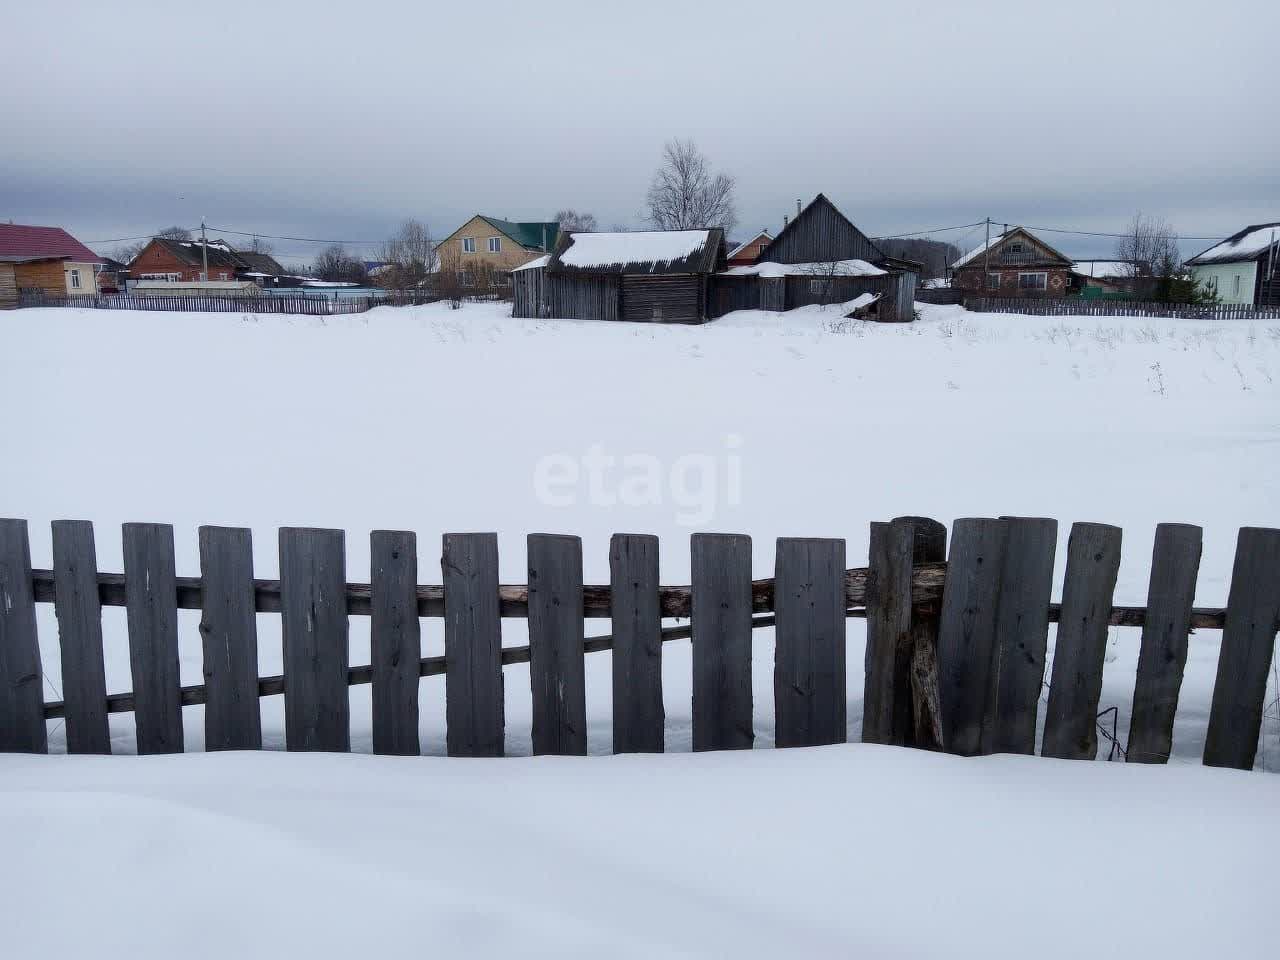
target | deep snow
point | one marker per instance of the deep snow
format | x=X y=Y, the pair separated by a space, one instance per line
x=437 y=420
x=853 y=851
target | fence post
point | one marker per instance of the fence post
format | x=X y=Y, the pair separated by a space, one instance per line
x=79 y=611
x=151 y=593
x=557 y=668
x=1248 y=639
x=1071 y=718
x=720 y=601
x=22 y=727
x=809 y=683
x=229 y=631
x=1175 y=561
x=638 y=712
x=474 y=716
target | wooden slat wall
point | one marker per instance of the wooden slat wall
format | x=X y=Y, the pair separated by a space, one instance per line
x=557 y=669
x=395 y=641
x=809 y=663
x=662 y=299
x=820 y=234
x=636 y=617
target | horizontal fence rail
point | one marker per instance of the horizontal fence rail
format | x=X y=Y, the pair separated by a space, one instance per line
x=268 y=302
x=1080 y=307
x=955 y=656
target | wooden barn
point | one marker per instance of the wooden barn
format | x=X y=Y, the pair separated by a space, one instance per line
x=662 y=276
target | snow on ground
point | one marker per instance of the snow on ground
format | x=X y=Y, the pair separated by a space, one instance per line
x=852 y=851
x=798 y=424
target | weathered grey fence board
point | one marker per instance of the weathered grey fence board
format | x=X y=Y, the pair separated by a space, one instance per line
x=79 y=612
x=151 y=609
x=313 y=614
x=1070 y=723
x=922 y=721
x=809 y=653
x=229 y=634
x=889 y=650
x=721 y=627
x=1248 y=640
x=1175 y=561
x=638 y=712
x=22 y=727
x=1022 y=631
x=473 y=646
x=557 y=665
x=967 y=645
x=395 y=641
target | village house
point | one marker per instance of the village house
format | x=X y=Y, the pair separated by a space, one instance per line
x=1014 y=264
x=747 y=253
x=183 y=261
x=44 y=259
x=1096 y=277
x=1244 y=268
x=489 y=246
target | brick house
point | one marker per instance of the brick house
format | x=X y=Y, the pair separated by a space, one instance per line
x=1014 y=264
x=182 y=261
x=44 y=258
x=494 y=246
x=745 y=254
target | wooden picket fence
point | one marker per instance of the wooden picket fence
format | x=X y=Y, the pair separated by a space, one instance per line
x=956 y=642
x=1082 y=307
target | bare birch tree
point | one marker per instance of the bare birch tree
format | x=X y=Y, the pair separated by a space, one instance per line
x=1150 y=247
x=571 y=221
x=685 y=195
x=410 y=255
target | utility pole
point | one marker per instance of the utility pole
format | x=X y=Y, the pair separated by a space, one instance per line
x=204 y=252
x=986 y=260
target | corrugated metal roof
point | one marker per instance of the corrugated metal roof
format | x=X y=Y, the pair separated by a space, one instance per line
x=43 y=243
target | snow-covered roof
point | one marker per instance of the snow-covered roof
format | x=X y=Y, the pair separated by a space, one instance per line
x=978 y=251
x=1103 y=269
x=1248 y=244
x=838 y=268
x=536 y=263
x=649 y=251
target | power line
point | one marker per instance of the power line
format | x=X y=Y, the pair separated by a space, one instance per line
x=1086 y=233
x=269 y=236
x=917 y=233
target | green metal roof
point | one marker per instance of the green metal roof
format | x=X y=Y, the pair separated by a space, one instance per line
x=539 y=235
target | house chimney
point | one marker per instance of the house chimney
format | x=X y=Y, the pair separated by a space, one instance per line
x=797 y=206
x=784 y=221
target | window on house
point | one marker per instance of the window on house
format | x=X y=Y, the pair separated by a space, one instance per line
x=468 y=244
x=224 y=275
x=1014 y=248
x=495 y=244
x=75 y=280
x=1033 y=281
x=993 y=281
x=1235 y=286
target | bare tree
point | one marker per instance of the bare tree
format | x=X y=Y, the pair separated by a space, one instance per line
x=411 y=257
x=571 y=221
x=685 y=195
x=173 y=233
x=337 y=266
x=1149 y=246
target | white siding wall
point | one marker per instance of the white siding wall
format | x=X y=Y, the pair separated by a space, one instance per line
x=1229 y=277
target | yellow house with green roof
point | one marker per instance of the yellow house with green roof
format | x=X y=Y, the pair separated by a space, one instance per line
x=495 y=245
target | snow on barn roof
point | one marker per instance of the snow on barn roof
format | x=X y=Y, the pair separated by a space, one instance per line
x=536 y=263
x=837 y=268
x=648 y=251
x=1249 y=244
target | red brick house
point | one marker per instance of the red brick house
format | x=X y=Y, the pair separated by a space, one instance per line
x=745 y=254
x=1014 y=264
x=183 y=261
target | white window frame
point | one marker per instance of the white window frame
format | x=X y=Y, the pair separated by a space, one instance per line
x=495 y=244
x=1235 y=286
x=468 y=244
x=997 y=278
x=1034 y=273
x=75 y=279
x=1015 y=247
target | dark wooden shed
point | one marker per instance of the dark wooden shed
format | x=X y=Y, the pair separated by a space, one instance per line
x=653 y=276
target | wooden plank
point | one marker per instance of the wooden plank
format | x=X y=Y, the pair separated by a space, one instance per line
x=557 y=668
x=229 y=634
x=22 y=728
x=1248 y=639
x=887 y=663
x=1070 y=723
x=316 y=642
x=84 y=678
x=152 y=613
x=638 y=713
x=472 y=645
x=1175 y=561
x=967 y=644
x=720 y=603
x=395 y=641
x=921 y=717
x=809 y=682
x=1022 y=631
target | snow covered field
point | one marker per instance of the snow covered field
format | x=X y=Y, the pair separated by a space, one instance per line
x=802 y=424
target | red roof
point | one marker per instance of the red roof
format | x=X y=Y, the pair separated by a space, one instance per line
x=19 y=240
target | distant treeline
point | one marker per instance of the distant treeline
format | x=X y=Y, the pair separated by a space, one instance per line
x=936 y=255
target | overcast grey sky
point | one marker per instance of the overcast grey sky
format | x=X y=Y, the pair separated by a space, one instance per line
x=338 y=121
